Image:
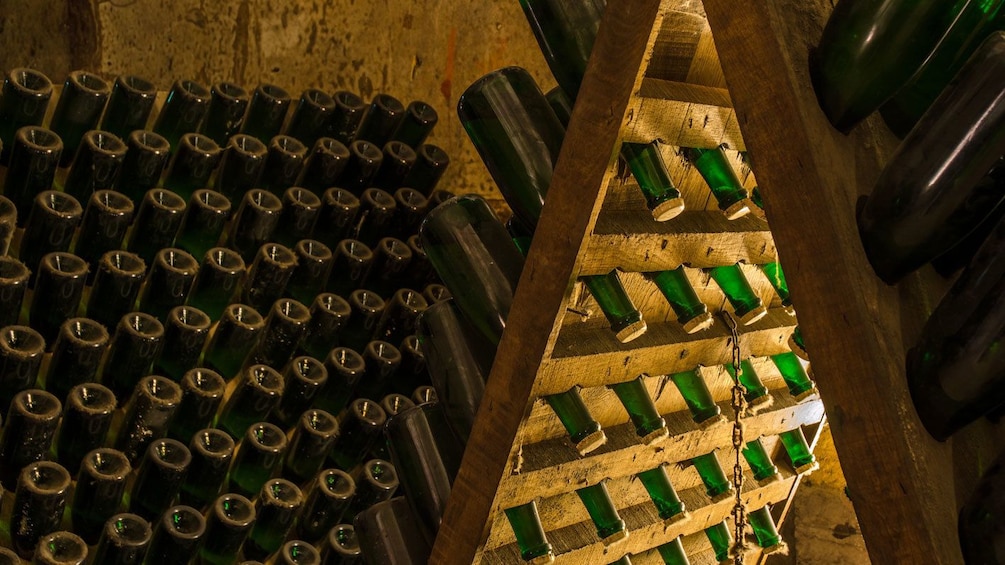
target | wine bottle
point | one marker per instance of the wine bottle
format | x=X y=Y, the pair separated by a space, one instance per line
x=398 y=160
x=116 y=286
x=203 y=223
x=78 y=109
x=86 y=421
x=634 y=396
x=324 y=165
x=31 y=424
x=60 y=548
x=304 y=377
x=388 y=532
x=268 y=276
x=157 y=222
x=649 y=170
x=673 y=553
x=195 y=158
x=963 y=252
x=227 y=526
x=668 y=504
x=39 y=500
x=420 y=119
x=51 y=222
x=129 y=105
x=176 y=536
x=124 y=540
x=148 y=414
x=201 y=394
x=34 y=159
x=258 y=458
x=276 y=508
x=345 y=367
x=96 y=166
x=186 y=105
x=345 y=119
x=930 y=195
x=721 y=540
x=765 y=532
x=241 y=166
x=8 y=224
x=413 y=371
x=341 y=545
x=430 y=163
x=733 y=283
x=755 y=393
x=97 y=497
x=284 y=329
x=795 y=376
x=797 y=345
x=326 y=501
x=228 y=103
x=610 y=527
x=104 y=224
x=583 y=429
x=217 y=281
x=283 y=164
x=381 y=360
x=24 y=101
x=310 y=442
x=760 y=461
x=360 y=426
x=869 y=51
x=266 y=112
x=717 y=487
x=777 y=279
x=799 y=451
x=169 y=284
x=339 y=211
x=704 y=411
x=390 y=262
x=311 y=116
x=256 y=395
x=400 y=316
x=14 y=277
x=314 y=266
x=301 y=208
x=382 y=119
x=212 y=453
x=297 y=552
x=560 y=103
x=134 y=347
x=21 y=352
x=691 y=312
x=376 y=481
x=146 y=156
x=58 y=289
x=329 y=314
x=366 y=308
x=377 y=212
x=625 y=319
x=530 y=536
x=714 y=167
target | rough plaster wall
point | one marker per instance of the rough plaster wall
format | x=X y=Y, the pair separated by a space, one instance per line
x=413 y=49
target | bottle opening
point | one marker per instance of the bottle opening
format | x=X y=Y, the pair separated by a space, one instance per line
x=87 y=330
x=367 y=301
x=411 y=197
x=145 y=325
x=433 y=154
x=341 y=198
x=248 y=144
x=23 y=339
x=190 y=317
x=378 y=198
x=38 y=403
x=63 y=547
x=40 y=138
x=93 y=398
x=207 y=381
x=230 y=90
x=337 y=483
x=395 y=403
x=309 y=369
x=114 y=201
x=425 y=394
x=318 y=97
x=235 y=509
x=245 y=315
x=389 y=103
x=381 y=472
x=130 y=529
x=267 y=436
x=162 y=389
x=139 y=84
x=278 y=253
x=348 y=100
x=300 y=553
x=214 y=442
x=171 y=452
x=213 y=200
x=150 y=142
x=31 y=80
x=293 y=310
x=422 y=111
x=267 y=378
x=46 y=477
x=412 y=299
x=347 y=359
x=333 y=303
x=193 y=88
x=61 y=203
x=345 y=537
x=185 y=522
x=125 y=263
x=313 y=249
x=289 y=145
x=366 y=151
x=395 y=247
x=12 y=270
x=283 y=492
x=105 y=141
x=65 y=263
x=265 y=200
x=227 y=260
x=369 y=412
x=274 y=92
x=319 y=421
x=86 y=81
x=200 y=143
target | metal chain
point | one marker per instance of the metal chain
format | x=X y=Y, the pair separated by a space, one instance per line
x=739 y=402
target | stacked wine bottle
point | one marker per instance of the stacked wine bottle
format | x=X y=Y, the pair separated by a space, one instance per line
x=207 y=323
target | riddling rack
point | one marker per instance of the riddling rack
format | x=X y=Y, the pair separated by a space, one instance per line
x=654 y=74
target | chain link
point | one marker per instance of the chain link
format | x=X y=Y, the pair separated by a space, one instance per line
x=739 y=403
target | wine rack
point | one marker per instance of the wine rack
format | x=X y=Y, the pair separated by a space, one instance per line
x=654 y=74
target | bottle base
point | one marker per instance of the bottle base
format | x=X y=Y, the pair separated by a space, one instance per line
x=754 y=315
x=737 y=210
x=542 y=559
x=631 y=331
x=668 y=209
x=700 y=322
x=591 y=442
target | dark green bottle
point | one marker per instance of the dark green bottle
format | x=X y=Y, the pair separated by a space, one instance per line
x=610 y=527
x=634 y=396
x=52 y=220
x=377 y=209
x=314 y=266
x=364 y=162
x=869 y=51
x=733 y=283
x=672 y=552
x=565 y=34
x=34 y=159
x=764 y=530
x=169 y=283
x=390 y=263
x=103 y=227
x=202 y=226
x=341 y=546
x=477 y=260
x=186 y=105
x=324 y=165
x=756 y=393
x=345 y=367
x=21 y=353
x=129 y=105
x=626 y=320
x=304 y=378
x=195 y=158
x=329 y=314
x=760 y=461
x=61 y=283
x=177 y=536
x=799 y=451
x=227 y=526
x=311 y=116
x=530 y=536
x=268 y=276
x=661 y=491
x=259 y=457
x=584 y=431
x=284 y=329
x=717 y=486
x=310 y=442
x=283 y=164
x=795 y=376
x=212 y=453
x=134 y=348
x=361 y=424
x=101 y=482
x=227 y=105
x=430 y=164
x=39 y=501
x=797 y=345
x=382 y=119
x=777 y=279
x=420 y=119
x=398 y=160
x=346 y=117
x=14 y=277
x=351 y=265
x=241 y=166
x=301 y=208
x=201 y=393
x=116 y=286
x=388 y=532
x=714 y=167
x=382 y=361
x=326 y=501
x=157 y=222
x=59 y=548
x=980 y=525
x=8 y=224
x=646 y=163
x=96 y=166
x=266 y=112
x=277 y=507
x=255 y=220
x=26 y=94
x=86 y=420
x=721 y=541
x=79 y=107
x=124 y=540
x=146 y=156
x=704 y=411
x=256 y=396
x=339 y=211
x=217 y=281
x=159 y=478
x=32 y=420
x=560 y=103
x=932 y=193
x=148 y=415
x=376 y=481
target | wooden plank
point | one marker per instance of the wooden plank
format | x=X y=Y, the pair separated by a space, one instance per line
x=553 y=467
x=593 y=357
x=683 y=114
x=575 y=194
x=906 y=487
x=637 y=243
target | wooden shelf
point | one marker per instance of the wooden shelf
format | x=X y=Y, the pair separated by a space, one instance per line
x=906 y=487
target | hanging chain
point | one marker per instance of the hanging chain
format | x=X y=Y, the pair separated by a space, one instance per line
x=739 y=403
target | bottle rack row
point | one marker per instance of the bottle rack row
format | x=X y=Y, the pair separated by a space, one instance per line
x=556 y=337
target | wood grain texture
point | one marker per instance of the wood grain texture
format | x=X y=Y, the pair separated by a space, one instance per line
x=683 y=114
x=906 y=487
x=583 y=171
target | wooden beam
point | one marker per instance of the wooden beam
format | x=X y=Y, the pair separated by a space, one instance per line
x=683 y=114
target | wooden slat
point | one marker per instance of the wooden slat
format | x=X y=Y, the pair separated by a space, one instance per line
x=906 y=487
x=635 y=242
x=593 y=357
x=683 y=114
x=574 y=197
x=553 y=467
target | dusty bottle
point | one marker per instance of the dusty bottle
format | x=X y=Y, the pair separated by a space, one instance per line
x=341 y=545
x=241 y=166
x=270 y=271
x=157 y=222
x=186 y=105
x=148 y=414
x=649 y=170
x=430 y=163
x=60 y=548
x=698 y=398
x=389 y=533
x=257 y=394
x=176 y=536
x=266 y=112
x=185 y=333
x=329 y=314
x=201 y=394
x=691 y=312
x=376 y=481
x=314 y=266
x=733 y=283
x=195 y=158
x=398 y=160
x=227 y=526
x=275 y=510
x=217 y=281
x=97 y=497
x=146 y=156
x=365 y=310
x=79 y=107
x=117 y=283
x=135 y=345
x=129 y=105
x=346 y=117
x=530 y=536
x=610 y=527
x=360 y=425
x=86 y=421
x=311 y=116
x=717 y=487
x=386 y=113
x=58 y=289
x=124 y=540
x=169 y=283
x=21 y=352
x=297 y=552
x=14 y=277
x=26 y=94
x=39 y=500
x=283 y=164
x=345 y=367
x=301 y=208
x=325 y=504
x=325 y=163
x=312 y=438
x=202 y=226
x=714 y=167
x=103 y=227
x=799 y=451
x=304 y=377
x=8 y=223
x=228 y=104
x=96 y=166
x=420 y=119
x=34 y=157
x=338 y=219
x=284 y=329
x=212 y=453
x=30 y=426
x=159 y=478
x=51 y=223
x=634 y=396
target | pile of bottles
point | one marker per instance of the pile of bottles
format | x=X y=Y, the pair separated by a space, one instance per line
x=207 y=324
x=936 y=72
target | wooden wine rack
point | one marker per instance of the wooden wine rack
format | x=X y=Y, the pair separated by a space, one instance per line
x=654 y=74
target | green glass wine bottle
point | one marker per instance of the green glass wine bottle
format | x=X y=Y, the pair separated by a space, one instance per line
x=798 y=450
x=25 y=99
x=610 y=527
x=648 y=168
x=227 y=527
x=672 y=552
x=256 y=395
x=266 y=112
x=634 y=396
x=129 y=105
x=733 y=283
x=698 y=398
x=530 y=536
x=721 y=541
x=186 y=105
x=764 y=530
x=797 y=345
x=78 y=109
x=717 y=487
x=668 y=504
x=795 y=376
x=276 y=509
x=560 y=103
x=259 y=457
x=565 y=33
x=777 y=279
x=869 y=50
x=584 y=430
x=227 y=105
x=625 y=319
x=760 y=461
x=714 y=167
x=980 y=524
x=756 y=393
x=690 y=310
